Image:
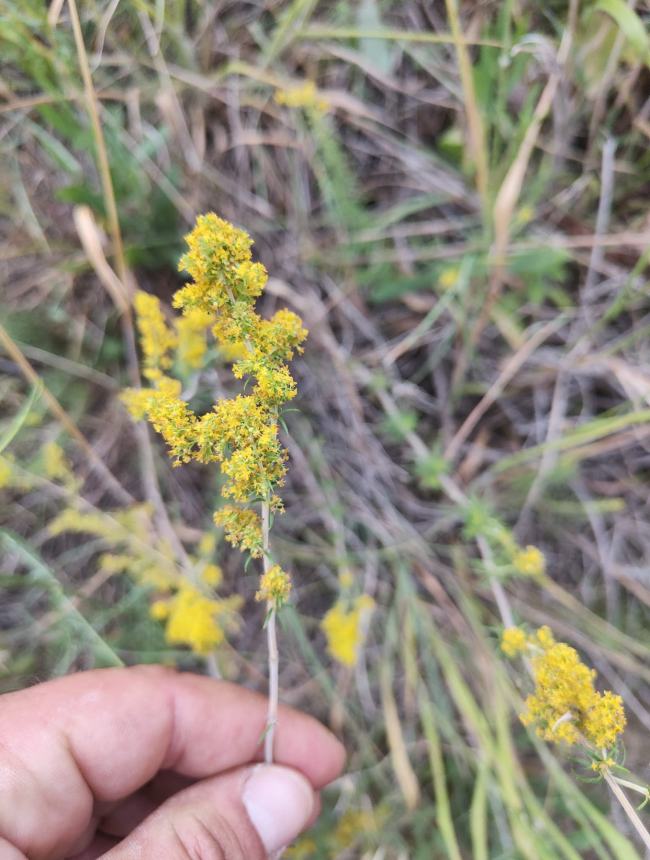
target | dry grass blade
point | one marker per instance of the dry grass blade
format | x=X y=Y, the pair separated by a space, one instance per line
x=90 y=237
x=402 y=767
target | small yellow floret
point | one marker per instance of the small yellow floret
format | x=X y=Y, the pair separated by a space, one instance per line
x=448 y=277
x=303 y=95
x=159 y=610
x=207 y=543
x=513 y=641
x=544 y=638
x=6 y=472
x=243 y=528
x=529 y=561
x=212 y=575
x=275 y=586
x=342 y=628
x=55 y=464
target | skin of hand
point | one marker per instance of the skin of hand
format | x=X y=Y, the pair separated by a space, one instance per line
x=146 y=763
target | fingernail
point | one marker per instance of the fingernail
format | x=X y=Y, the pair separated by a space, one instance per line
x=279 y=802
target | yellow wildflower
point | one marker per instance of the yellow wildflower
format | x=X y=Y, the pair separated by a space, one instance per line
x=233 y=351
x=346 y=579
x=602 y=764
x=353 y=824
x=169 y=415
x=212 y=575
x=240 y=433
x=55 y=465
x=6 y=473
x=275 y=586
x=275 y=385
x=302 y=849
x=219 y=262
x=279 y=338
x=194 y=620
x=524 y=215
x=302 y=95
x=192 y=337
x=529 y=561
x=342 y=628
x=159 y=610
x=207 y=543
x=605 y=720
x=448 y=277
x=544 y=638
x=156 y=338
x=513 y=641
x=243 y=528
x=565 y=705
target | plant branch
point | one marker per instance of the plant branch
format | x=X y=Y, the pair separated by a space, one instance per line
x=272 y=639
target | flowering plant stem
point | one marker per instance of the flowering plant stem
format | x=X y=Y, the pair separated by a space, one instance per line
x=629 y=810
x=272 y=639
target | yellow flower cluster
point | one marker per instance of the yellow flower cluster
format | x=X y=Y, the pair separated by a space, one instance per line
x=448 y=277
x=303 y=95
x=239 y=433
x=156 y=337
x=565 y=706
x=6 y=472
x=514 y=641
x=275 y=586
x=55 y=464
x=243 y=528
x=529 y=561
x=168 y=414
x=192 y=342
x=195 y=616
x=342 y=628
x=195 y=620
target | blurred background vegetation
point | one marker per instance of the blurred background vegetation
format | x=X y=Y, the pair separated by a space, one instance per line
x=454 y=196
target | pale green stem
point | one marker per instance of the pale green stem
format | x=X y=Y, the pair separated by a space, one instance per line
x=272 y=639
x=629 y=810
x=633 y=786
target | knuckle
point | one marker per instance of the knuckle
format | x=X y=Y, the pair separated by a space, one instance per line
x=217 y=840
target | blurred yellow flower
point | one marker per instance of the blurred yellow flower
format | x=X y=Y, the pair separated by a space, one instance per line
x=195 y=620
x=302 y=95
x=212 y=575
x=448 y=277
x=529 y=561
x=156 y=338
x=513 y=641
x=342 y=628
x=55 y=464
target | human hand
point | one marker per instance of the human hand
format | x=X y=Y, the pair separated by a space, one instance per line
x=148 y=764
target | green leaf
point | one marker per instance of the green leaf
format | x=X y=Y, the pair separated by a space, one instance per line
x=14 y=428
x=629 y=24
x=380 y=53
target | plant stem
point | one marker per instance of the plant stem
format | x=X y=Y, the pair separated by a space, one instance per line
x=629 y=810
x=272 y=639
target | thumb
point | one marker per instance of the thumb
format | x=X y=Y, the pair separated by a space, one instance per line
x=246 y=814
